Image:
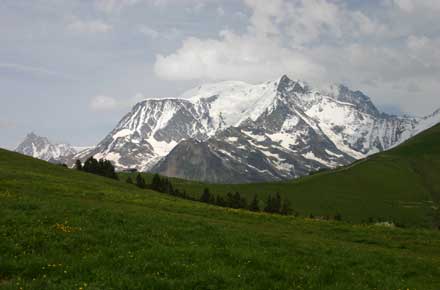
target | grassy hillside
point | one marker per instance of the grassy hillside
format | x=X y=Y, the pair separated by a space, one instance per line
x=400 y=185
x=63 y=229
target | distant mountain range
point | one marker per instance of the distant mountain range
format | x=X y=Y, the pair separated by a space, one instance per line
x=41 y=148
x=232 y=132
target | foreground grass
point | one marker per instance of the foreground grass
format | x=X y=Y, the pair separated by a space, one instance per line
x=62 y=229
x=401 y=185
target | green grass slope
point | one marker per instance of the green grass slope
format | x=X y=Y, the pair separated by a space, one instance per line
x=400 y=185
x=63 y=229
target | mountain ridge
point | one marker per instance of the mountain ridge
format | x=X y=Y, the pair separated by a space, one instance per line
x=41 y=148
x=284 y=117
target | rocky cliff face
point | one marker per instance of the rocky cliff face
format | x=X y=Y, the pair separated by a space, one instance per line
x=237 y=132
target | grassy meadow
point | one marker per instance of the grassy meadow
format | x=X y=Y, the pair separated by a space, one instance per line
x=64 y=229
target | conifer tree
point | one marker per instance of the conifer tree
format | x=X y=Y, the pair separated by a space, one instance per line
x=129 y=180
x=269 y=204
x=239 y=201
x=220 y=201
x=229 y=200
x=206 y=196
x=107 y=169
x=91 y=165
x=236 y=200
x=163 y=184
x=156 y=182
x=102 y=167
x=140 y=181
x=101 y=170
x=212 y=199
x=253 y=206
x=78 y=165
x=168 y=187
x=285 y=208
x=276 y=204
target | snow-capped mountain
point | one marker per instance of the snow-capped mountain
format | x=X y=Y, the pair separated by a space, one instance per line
x=41 y=148
x=238 y=132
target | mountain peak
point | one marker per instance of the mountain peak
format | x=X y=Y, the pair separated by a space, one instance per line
x=41 y=148
x=284 y=79
x=32 y=135
x=287 y=85
x=357 y=98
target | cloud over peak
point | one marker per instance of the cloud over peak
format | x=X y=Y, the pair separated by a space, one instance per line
x=377 y=48
x=278 y=36
x=233 y=56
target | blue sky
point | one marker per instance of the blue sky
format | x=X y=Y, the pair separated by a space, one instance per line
x=69 y=70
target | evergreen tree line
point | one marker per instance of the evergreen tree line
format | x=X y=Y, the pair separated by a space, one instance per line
x=158 y=183
x=230 y=200
x=100 y=167
x=275 y=204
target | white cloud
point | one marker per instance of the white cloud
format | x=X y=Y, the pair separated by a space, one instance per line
x=248 y=56
x=233 y=57
x=367 y=26
x=110 y=6
x=425 y=50
x=411 y=6
x=92 y=26
x=324 y=41
x=265 y=16
x=148 y=31
x=103 y=103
